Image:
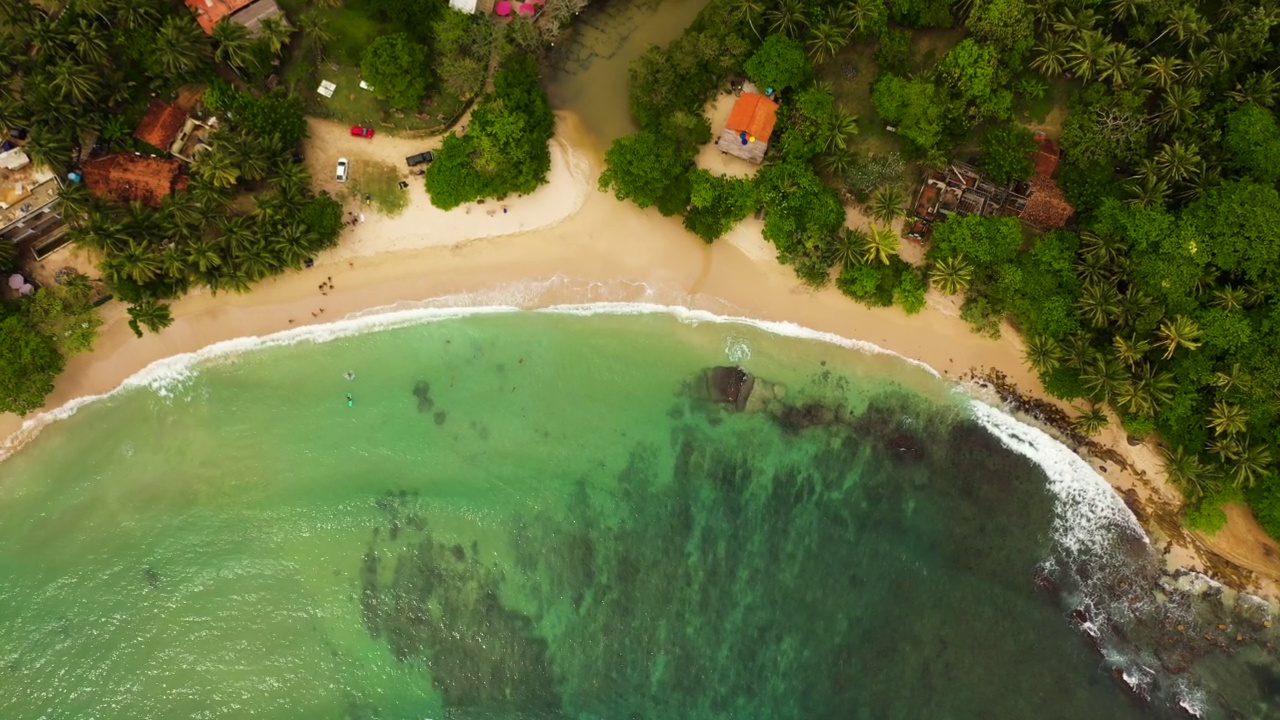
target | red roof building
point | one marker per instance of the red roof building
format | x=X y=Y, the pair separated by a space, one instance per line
x=129 y=178
x=1048 y=153
x=746 y=133
x=161 y=125
x=209 y=12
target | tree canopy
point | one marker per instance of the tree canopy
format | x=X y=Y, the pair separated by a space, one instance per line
x=398 y=68
x=780 y=63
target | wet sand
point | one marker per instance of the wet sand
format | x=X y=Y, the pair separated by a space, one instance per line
x=609 y=251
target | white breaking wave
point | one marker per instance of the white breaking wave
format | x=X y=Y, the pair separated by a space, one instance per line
x=1086 y=502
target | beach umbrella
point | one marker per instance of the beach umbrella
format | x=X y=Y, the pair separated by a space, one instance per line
x=15 y=281
x=527 y=9
x=503 y=8
x=26 y=289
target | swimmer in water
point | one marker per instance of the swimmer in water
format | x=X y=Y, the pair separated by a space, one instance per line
x=350 y=375
x=350 y=400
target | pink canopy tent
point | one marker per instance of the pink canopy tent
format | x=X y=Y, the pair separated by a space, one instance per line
x=503 y=8
x=527 y=9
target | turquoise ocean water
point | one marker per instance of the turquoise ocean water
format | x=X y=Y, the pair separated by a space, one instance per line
x=535 y=515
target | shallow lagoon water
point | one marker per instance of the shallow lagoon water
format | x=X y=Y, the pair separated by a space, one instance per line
x=529 y=515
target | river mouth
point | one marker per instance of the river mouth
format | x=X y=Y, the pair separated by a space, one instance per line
x=591 y=63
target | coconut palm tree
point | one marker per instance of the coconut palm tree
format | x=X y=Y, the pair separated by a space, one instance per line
x=8 y=254
x=844 y=125
x=180 y=48
x=1122 y=10
x=1099 y=302
x=849 y=248
x=1179 y=161
x=1228 y=298
x=1178 y=332
x=1258 y=87
x=1051 y=56
x=1134 y=306
x=1085 y=52
x=1091 y=421
x=49 y=148
x=1104 y=377
x=880 y=245
x=151 y=314
x=315 y=30
x=1187 y=25
x=217 y=167
x=1148 y=190
x=1226 y=418
x=888 y=203
x=1118 y=64
x=134 y=14
x=275 y=33
x=825 y=40
x=1187 y=472
x=1131 y=350
x=1253 y=461
x=838 y=163
x=787 y=18
x=88 y=41
x=951 y=275
x=1178 y=108
x=748 y=11
x=232 y=43
x=1147 y=391
x=1232 y=377
x=1043 y=354
x=135 y=260
x=1198 y=67
x=1163 y=70
x=1074 y=23
x=74 y=82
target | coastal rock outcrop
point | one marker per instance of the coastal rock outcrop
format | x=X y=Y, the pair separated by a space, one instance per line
x=729 y=386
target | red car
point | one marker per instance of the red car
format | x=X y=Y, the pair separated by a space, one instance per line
x=361 y=131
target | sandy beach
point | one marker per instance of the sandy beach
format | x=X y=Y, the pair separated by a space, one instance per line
x=569 y=243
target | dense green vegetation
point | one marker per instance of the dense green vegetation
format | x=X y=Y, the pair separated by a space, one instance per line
x=1159 y=307
x=504 y=149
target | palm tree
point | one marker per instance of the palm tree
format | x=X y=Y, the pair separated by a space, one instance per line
x=179 y=47
x=1148 y=190
x=838 y=162
x=861 y=13
x=232 y=43
x=1078 y=351
x=1181 y=331
x=881 y=244
x=888 y=203
x=1163 y=70
x=1187 y=472
x=1050 y=56
x=844 y=125
x=1187 y=25
x=75 y=202
x=1043 y=354
x=951 y=275
x=1117 y=64
x=217 y=167
x=787 y=18
x=276 y=33
x=73 y=81
x=8 y=254
x=1178 y=161
x=1123 y=10
x=825 y=40
x=1258 y=87
x=88 y=41
x=1073 y=24
x=1104 y=377
x=249 y=160
x=1099 y=302
x=1131 y=350
x=49 y=148
x=1091 y=421
x=1228 y=298
x=1199 y=66
x=748 y=11
x=1252 y=462
x=1134 y=305
x=135 y=260
x=849 y=249
x=152 y=315
x=1226 y=418
x=1085 y=52
x=1147 y=391
x=315 y=30
x=203 y=257
x=1178 y=108
x=1234 y=377
x=133 y=14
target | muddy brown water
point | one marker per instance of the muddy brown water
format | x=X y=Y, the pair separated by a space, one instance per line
x=590 y=64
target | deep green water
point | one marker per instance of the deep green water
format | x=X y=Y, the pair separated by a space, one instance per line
x=534 y=516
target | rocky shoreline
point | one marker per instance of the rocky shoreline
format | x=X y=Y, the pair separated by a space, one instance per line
x=1173 y=619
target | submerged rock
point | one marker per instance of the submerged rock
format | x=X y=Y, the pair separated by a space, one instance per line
x=730 y=386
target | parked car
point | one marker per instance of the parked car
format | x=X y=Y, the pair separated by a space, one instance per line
x=361 y=131
x=420 y=158
x=342 y=169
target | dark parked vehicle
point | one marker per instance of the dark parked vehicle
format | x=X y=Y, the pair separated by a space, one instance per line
x=420 y=158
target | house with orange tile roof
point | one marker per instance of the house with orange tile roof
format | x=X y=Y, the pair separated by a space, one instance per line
x=127 y=177
x=249 y=13
x=161 y=124
x=746 y=133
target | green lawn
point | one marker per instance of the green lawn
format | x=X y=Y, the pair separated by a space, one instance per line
x=380 y=183
x=850 y=75
x=352 y=32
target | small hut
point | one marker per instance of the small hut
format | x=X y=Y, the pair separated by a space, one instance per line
x=746 y=133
